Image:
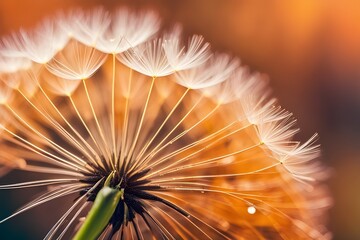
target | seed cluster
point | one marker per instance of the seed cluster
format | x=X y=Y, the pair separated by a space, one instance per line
x=192 y=138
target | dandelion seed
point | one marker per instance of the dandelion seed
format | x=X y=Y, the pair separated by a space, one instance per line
x=153 y=137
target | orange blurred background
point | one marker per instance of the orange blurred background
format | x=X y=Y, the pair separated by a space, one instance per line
x=309 y=49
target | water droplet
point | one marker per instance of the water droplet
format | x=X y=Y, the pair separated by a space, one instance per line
x=251 y=210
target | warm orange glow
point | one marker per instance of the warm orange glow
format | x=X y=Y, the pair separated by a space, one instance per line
x=309 y=49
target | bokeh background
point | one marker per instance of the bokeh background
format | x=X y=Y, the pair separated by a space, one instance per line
x=309 y=49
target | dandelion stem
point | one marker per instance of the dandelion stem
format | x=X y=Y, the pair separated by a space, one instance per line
x=101 y=212
x=58 y=224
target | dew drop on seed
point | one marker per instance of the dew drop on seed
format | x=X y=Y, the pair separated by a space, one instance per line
x=251 y=210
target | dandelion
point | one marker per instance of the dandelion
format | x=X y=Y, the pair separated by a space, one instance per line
x=153 y=136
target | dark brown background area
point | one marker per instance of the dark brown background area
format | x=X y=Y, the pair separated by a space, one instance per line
x=309 y=49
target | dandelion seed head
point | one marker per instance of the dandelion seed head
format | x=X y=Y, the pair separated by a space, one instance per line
x=191 y=137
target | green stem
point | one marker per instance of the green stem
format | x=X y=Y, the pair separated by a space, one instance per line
x=101 y=212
